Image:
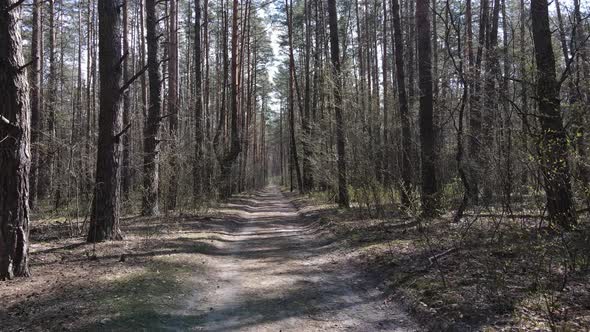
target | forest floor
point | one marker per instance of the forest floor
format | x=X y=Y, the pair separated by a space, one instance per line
x=274 y=261
x=256 y=263
x=489 y=272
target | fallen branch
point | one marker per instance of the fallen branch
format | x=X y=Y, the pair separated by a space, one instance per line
x=433 y=259
x=500 y=215
x=515 y=216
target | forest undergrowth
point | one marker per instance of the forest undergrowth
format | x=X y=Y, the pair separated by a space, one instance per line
x=489 y=272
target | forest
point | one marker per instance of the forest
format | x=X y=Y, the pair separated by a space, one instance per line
x=295 y=165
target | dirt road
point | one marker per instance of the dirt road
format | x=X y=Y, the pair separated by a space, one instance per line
x=270 y=272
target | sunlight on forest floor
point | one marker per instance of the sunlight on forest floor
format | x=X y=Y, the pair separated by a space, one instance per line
x=489 y=274
x=494 y=275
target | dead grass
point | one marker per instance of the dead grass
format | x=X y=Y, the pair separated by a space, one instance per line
x=483 y=274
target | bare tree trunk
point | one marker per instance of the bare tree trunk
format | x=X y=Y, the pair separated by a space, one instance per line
x=281 y=145
x=403 y=106
x=428 y=155
x=48 y=169
x=104 y=222
x=307 y=151
x=582 y=98
x=343 y=199
x=199 y=137
x=553 y=146
x=507 y=150
x=36 y=100
x=490 y=96
x=386 y=150
x=293 y=82
x=151 y=136
x=90 y=69
x=173 y=108
x=231 y=156
x=15 y=159
x=125 y=167
x=524 y=95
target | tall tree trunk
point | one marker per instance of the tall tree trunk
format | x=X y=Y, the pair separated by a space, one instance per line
x=490 y=96
x=48 y=176
x=173 y=108
x=429 y=185
x=199 y=137
x=207 y=170
x=403 y=105
x=306 y=127
x=553 y=146
x=524 y=95
x=36 y=100
x=15 y=159
x=386 y=150
x=343 y=199
x=90 y=83
x=292 y=83
x=151 y=136
x=582 y=98
x=126 y=165
x=507 y=121
x=234 y=150
x=104 y=221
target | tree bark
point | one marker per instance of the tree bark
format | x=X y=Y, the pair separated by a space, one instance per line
x=306 y=127
x=35 y=93
x=429 y=185
x=553 y=148
x=126 y=165
x=15 y=159
x=403 y=106
x=199 y=137
x=343 y=200
x=234 y=150
x=292 y=83
x=48 y=169
x=104 y=222
x=173 y=108
x=151 y=136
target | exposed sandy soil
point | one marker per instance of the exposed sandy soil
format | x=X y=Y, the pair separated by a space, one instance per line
x=255 y=264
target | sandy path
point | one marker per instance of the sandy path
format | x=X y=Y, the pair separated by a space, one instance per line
x=271 y=273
